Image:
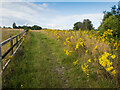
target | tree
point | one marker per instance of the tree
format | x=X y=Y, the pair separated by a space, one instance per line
x=111 y=20
x=78 y=25
x=106 y=15
x=35 y=27
x=112 y=23
x=85 y=25
x=14 y=25
x=113 y=10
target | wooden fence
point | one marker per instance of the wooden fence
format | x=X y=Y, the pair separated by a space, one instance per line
x=18 y=43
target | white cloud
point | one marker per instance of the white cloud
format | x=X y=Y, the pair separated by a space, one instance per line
x=22 y=12
x=11 y=0
x=40 y=14
x=67 y=22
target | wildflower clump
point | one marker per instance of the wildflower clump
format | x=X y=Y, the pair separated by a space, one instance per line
x=75 y=62
x=89 y=60
x=106 y=63
x=85 y=69
x=79 y=43
x=113 y=56
x=67 y=52
x=96 y=47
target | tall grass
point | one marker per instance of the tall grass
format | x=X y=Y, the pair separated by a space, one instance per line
x=7 y=33
x=96 y=53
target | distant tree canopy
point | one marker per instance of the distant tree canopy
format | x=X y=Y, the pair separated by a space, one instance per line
x=14 y=25
x=111 y=20
x=112 y=23
x=85 y=25
x=35 y=27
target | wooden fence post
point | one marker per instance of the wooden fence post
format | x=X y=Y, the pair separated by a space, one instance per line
x=0 y=57
x=11 y=45
x=1 y=68
x=19 y=38
x=16 y=39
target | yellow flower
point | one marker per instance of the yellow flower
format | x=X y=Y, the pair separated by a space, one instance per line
x=113 y=56
x=85 y=69
x=5 y=59
x=64 y=43
x=96 y=47
x=81 y=43
x=113 y=72
x=29 y=30
x=86 y=51
x=21 y=85
x=75 y=62
x=58 y=37
x=67 y=39
x=23 y=38
x=95 y=60
x=71 y=37
x=110 y=68
x=89 y=60
x=10 y=57
x=67 y=52
x=76 y=46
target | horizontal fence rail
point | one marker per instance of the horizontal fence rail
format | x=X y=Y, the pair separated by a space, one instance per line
x=18 y=43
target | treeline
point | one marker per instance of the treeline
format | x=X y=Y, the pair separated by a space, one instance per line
x=35 y=27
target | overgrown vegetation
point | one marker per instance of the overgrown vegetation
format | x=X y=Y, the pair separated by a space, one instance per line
x=95 y=53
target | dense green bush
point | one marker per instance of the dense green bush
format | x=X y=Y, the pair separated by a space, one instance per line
x=113 y=22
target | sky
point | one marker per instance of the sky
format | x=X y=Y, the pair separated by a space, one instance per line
x=54 y=15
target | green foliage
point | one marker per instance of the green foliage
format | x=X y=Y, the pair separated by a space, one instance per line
x=111 y=20
x=111 y=23
x=115 y=11
x=35 y=27
x=86 y=25
x=106 y=15
x=78 y=25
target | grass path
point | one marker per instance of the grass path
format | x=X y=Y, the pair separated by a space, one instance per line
x=37 y=65
x=42 y=63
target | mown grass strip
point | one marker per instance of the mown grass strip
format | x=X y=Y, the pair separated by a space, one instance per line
x=33 y=66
